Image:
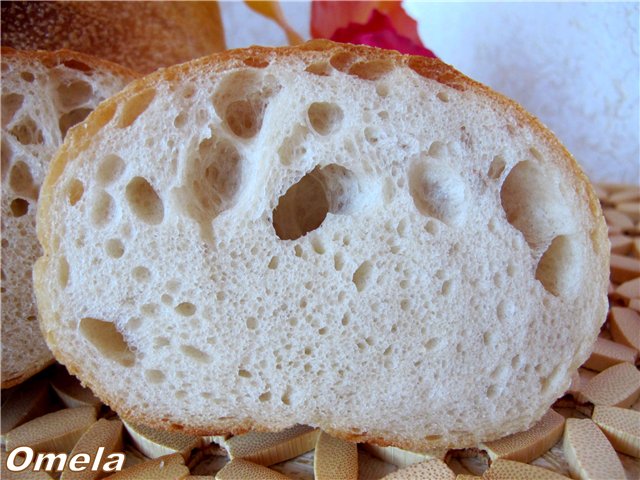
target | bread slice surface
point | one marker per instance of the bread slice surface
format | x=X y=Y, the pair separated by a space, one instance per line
x=43 y=95
x=330 y=235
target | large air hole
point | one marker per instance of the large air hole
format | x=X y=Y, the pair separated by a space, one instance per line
x=74 y=94
x=305 y=205
x=27 y=132
x=362 y=276
x=135 y=106
x=533 y=204
x=324 y=117
x=438 y=192
x=560 y=267
x=11 y=103
x=72 y=118
x=371 y=69
x=211 y=182
x=103 y=209
x=144 y=201
x=110 y=169
x=106 y=338
x=21 y=181
x=242 y=99
x=75 y=190
x=19 y=207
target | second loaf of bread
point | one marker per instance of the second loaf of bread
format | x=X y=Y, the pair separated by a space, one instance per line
x=329 y=235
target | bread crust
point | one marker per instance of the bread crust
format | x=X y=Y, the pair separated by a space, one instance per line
x=140 y=35
x=317 y=50
x=86 y=64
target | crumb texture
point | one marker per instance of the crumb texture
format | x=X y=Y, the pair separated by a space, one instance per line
x=285 y=237
x=43 y=96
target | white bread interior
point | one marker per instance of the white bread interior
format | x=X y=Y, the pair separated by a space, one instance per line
x=43 y=95
x=328 y=235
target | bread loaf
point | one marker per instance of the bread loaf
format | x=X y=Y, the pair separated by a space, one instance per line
x=330 y=235
x=43 y=95
x=140 y=35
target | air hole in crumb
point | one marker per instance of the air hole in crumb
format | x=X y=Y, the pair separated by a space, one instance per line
x=110 y=169
x=135 y=106
x=371 y=69
x=181 y=394
x=265 y=397
x=144 y=201
x=487 y=338
x=560 y=267
x=186 y=309
x=496 y=168
x=166 y=299
x=161 y=342
x=338 y=261
x=194 y=353
x=531 y=199
x=154 y=376
x=11 y=103
x=212 y=180
x=255 y=62
x=443 y=96
x=362 y=275
x=382 y=89
x=103 y=209
x=373 y=135
x=180 y=120
x=19 y=207
x=438 y=192
x=305 y=205
x=341 y=61
x=244 y=373
x=63 y=272
x=242 y=99
x=492 y=391
x=27 y=76
x=74 y=94
x=252 y=323
x=432 y=343
x=134 y=323
x=244 y=117
x=324 y=117
x=322 y=69
x=273 y=263
x=141 y=274
x=105 y=337
x=318 y=246
x=446 y=287
x=114 y=248
x=437 y=149
x=75 y=190
x=21 y=181
x=72 y=118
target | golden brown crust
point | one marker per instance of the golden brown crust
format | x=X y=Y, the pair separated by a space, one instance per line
x=71 y=59
x=140 y=35
x=342 y=57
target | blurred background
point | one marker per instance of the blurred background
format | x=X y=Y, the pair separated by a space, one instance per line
x=575 y=66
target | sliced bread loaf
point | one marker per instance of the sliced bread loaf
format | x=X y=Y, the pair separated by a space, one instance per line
x=330 y=235
x=142 y=36
x=43 y=95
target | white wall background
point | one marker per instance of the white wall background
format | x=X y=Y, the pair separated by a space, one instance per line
x=574 y=65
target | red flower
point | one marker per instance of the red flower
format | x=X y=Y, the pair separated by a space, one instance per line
x=379 y=32
x=382 y=24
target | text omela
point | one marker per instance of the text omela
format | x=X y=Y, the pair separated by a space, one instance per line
x=23 y=458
